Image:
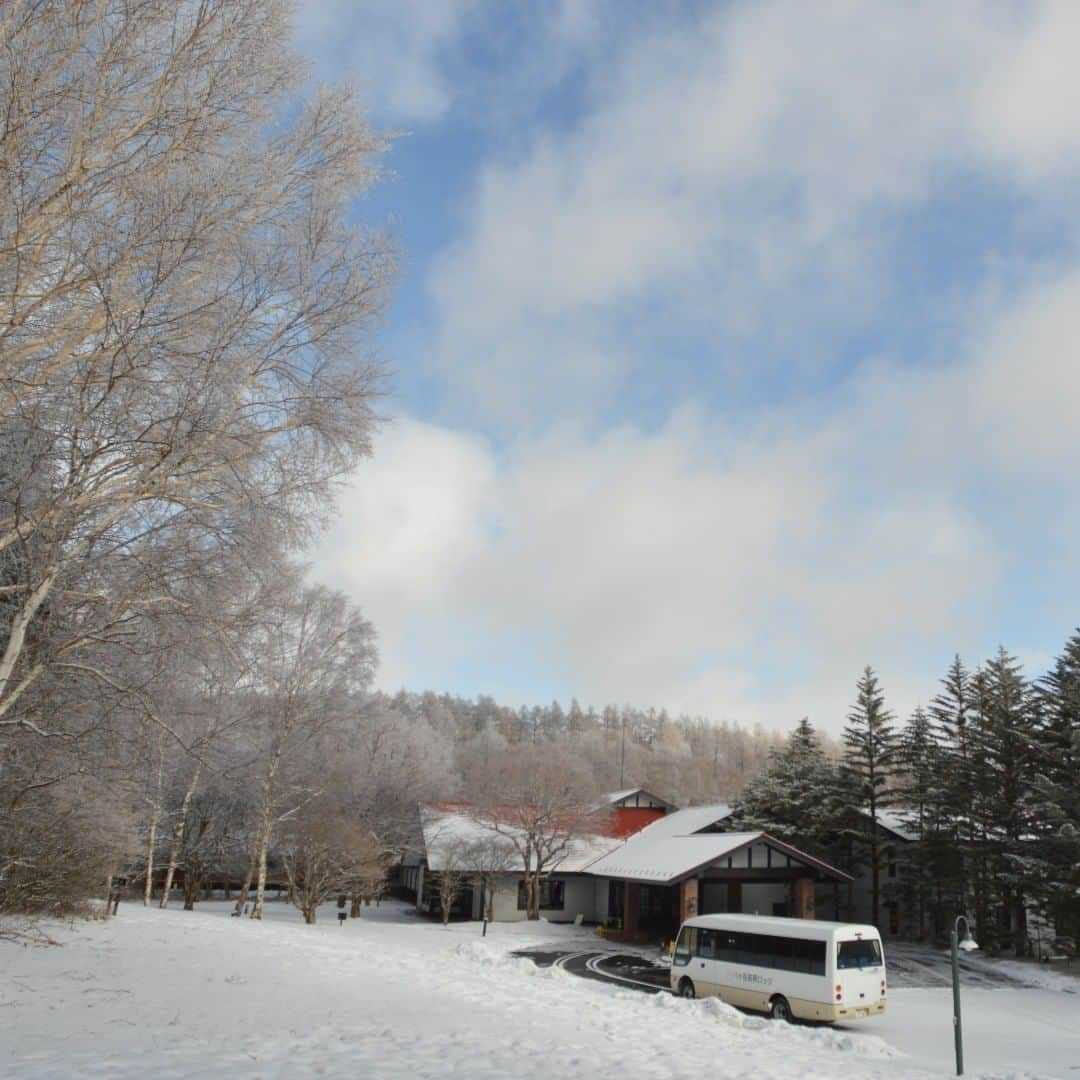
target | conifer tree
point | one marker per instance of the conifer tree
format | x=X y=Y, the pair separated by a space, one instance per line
x=920 y=794
x=795 y=795
x=952 y=711
x=1057 y=790
x=870 y=749
x=1004 y=741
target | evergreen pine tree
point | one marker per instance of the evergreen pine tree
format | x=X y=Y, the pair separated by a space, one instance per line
x=923 y=811
x=1004 y=743
x=952 y=711
x=870 y=749
x=1057 y=790
x=795 y=795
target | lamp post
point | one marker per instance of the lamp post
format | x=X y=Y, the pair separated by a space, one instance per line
x=968 y=945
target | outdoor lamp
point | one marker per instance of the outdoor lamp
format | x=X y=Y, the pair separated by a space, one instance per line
x=968 y=944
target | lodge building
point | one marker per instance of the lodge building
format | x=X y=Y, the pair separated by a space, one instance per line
x=655 y=866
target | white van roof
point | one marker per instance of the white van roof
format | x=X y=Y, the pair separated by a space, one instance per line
x=811 y=929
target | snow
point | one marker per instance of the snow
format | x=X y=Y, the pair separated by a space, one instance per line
x=449 y=831
x=646 y=857
x=896 y=823
x=613 y=797
x=197 y=994
x=668 y=847
x=687 y=822
x=1007 y=1032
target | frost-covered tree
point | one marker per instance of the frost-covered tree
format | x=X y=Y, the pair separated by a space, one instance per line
x=797 y=793
x=539 y=801
x=313 y=655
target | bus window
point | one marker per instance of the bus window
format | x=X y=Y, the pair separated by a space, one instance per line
x=686 y=946
x=707 y=941
x=859 y=954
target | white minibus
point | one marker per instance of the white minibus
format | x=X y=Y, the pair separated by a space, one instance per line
x=787 y=968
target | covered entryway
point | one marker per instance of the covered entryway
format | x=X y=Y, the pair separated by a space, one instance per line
x=657 y=881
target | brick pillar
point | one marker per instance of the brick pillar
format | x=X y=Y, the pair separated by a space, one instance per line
x=688 y=899
x=631 y=907
x=803 y=896
x=734 y=897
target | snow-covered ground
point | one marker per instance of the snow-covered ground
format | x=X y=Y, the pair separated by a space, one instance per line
x=180 y=994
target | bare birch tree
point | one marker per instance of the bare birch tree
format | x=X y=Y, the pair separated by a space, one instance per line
x=324 y=851
x=316 y=655
x=539 y=801
x=181 y=301
x=183 y=312
x=489 y=861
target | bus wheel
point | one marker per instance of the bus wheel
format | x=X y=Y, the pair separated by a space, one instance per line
x=686 y=989
x=779 y=1009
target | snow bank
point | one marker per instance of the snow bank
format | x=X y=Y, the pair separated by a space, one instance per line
x=181 y=994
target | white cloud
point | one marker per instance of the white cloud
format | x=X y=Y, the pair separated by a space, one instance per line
x=740 y=167
x=407 y=520
x=744 y=570
x=393 y=48
x=737 y=170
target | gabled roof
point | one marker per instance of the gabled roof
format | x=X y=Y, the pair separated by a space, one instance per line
x=667 y=858
x=675 y=846
x=613 y=797
x=688 y=822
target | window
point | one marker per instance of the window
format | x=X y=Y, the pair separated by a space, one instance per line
x=753 y=950
x=859 y=954
x=685 y=947
x=616 y=899
x=708 y=940
x=552 y=895
x=890 y=856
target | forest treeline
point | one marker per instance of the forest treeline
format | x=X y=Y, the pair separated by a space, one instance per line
x=687 y=759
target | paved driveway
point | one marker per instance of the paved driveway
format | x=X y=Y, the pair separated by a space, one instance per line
x=909 y=967
x=621 y=969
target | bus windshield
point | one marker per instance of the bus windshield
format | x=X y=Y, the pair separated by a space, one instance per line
x=859 y=954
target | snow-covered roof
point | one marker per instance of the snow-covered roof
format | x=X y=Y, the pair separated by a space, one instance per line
x=665 y=858
x=893 y=821
x=896 y=823
x=450 y=830
x=689 y=821
x=674 y=846
x=613 y=797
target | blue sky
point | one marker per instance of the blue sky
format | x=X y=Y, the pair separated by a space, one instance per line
x=733 y=346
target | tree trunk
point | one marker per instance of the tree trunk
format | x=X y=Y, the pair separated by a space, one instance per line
x=354 y=907
x=1020 y=935
x=191 y=890
x=875 y=876
x=265 y=828
x=178 y=836
x=148 y=888
x=245 y=886
x=155 y=819
x=532 y=896
x=260 y=883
